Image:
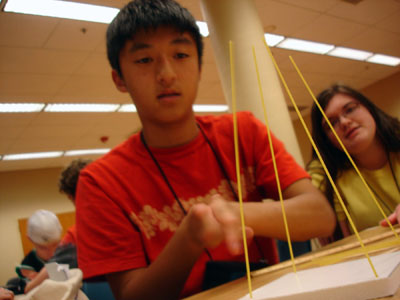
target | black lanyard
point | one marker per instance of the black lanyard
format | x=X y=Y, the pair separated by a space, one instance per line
x=221 y=166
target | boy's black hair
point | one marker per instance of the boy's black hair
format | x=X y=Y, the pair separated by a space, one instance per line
x=144 y=15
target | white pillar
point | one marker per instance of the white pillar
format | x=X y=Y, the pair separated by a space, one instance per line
x=238 y=21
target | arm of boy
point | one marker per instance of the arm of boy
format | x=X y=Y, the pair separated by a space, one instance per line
x=205 y=226
x=307 y=211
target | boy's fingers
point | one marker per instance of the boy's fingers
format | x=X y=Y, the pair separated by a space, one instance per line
x=227 y=215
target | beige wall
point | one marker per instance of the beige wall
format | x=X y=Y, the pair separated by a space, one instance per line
x=21 y=193
x=385 y=94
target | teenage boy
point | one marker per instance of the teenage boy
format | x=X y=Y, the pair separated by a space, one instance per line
x=156 y=208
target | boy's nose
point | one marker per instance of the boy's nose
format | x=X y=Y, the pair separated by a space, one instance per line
x=166 y=74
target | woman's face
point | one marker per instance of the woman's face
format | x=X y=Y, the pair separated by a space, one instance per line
x=352 y=122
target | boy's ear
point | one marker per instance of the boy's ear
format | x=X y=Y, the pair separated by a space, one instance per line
x=118 y=81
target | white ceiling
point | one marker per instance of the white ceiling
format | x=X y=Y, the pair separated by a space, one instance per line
x=56 y=60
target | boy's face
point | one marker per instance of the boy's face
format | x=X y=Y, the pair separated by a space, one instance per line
x=160 y=71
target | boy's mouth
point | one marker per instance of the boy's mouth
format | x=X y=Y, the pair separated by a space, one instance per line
x=167 y=95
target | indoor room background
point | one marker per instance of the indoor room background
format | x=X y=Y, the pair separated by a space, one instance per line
x=54 y=60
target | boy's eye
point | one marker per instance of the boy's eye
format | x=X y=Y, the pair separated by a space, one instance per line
x=181 y=55
x=143 y=60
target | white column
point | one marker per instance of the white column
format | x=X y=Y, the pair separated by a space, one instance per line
x=238 y=21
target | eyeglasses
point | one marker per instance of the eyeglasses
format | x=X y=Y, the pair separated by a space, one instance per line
x=348 y=111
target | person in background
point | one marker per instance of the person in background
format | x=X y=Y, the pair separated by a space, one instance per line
x=65 y=252
x=157 y=210
x=372 y=138
x=44 y=231
x=6 y=294
x=67 y=185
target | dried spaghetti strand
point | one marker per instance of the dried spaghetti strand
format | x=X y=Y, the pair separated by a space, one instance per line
x=344 y=149
x=319 y=155
x=236 y=144
x=274 y=162
x=330 y=177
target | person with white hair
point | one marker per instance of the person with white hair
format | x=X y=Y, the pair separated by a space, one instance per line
x=44 y=231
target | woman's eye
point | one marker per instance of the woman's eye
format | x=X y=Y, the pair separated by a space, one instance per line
x=350 y=110
x=334 y=122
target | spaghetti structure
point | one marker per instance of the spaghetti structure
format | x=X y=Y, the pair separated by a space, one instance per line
x=361 y=243
x=235 y=136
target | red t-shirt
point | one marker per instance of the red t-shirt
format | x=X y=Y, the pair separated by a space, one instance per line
x=69 y=236
x=126 y=213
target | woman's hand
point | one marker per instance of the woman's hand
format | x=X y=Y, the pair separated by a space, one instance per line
x=394 y=218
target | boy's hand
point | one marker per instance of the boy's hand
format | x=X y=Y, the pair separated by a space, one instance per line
x=394 y=218
x=219 y=221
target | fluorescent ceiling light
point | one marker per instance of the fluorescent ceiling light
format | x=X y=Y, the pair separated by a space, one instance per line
x=63 y=9
x=210 y=108
x=203 y=28
x=73 y=10
x=20 y=107
x=196 y=108
x=273 y=39
x=350 y=53
x=34 y=155
x=306 y=46
x=384 y=60
x=127 y=108
x=76 y=107
x=86 y=152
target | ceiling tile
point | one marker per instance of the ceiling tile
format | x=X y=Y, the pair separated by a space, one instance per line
x=375 y=40
x=329 y=29
x=53 y=60
x=39 y=61
x=283 y=18
x=29 y=87
x=76 y=35
x=366 y=12
x=391 y=23
x=25 y=31
x=316 y=5
x=98 y=89
x=95 y=64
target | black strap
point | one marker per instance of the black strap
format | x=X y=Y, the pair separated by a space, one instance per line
x=221 y=166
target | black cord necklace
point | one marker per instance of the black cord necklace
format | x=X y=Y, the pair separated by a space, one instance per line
x=221 y=166
x=164 y=176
